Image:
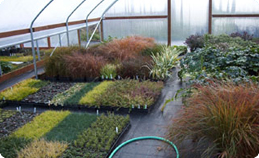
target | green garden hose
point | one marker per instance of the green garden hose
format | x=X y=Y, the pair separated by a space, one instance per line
x=142 y=138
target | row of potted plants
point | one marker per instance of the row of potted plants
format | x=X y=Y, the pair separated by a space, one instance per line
x=127 y=94
x=130 y=57
x=47 y=135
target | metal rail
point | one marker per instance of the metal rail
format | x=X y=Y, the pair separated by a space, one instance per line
x=68 y=19
x=86 y=21
x=99 y=22
x=32 y=43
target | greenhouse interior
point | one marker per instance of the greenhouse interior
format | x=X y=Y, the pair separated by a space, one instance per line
x=129 y=79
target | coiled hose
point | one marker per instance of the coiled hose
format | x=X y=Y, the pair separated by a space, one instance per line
x=143 y=138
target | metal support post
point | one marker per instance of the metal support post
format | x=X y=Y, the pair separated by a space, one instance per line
x=38 y=50
x=86 y=21
x=100 y=22
x=60 y=40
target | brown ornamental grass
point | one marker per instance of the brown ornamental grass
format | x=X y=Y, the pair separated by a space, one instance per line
x=224 y=114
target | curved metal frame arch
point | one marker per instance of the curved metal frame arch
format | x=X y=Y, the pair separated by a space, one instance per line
x=86 y=21
x=32 y=43
x=68 y=19
x=100 y=22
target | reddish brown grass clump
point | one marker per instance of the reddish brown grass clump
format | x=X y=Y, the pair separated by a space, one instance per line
x=226 y=115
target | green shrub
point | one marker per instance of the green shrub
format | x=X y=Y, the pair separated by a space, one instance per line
x=109 y=71
x=224 y=42
x=223 y=114
x=42 y=148
x=181 y=49
x=126 y=93
x=41 y=125
x=97 y=140
x=6 y=66
x=90 y=98
x=157 y=48
x=163 y=63
x=209 y=62
x=22 y=89
x=10 y=146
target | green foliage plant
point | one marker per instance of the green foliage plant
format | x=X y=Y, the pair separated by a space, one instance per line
x=42 y=148
x=163 y=63
x=6 y=66
x=22 y=89
x=41 y=125
x=10 y=146
x=90 y=98
x=97 y=140
x=236 y=63
x=109 y=71
x=222 y=115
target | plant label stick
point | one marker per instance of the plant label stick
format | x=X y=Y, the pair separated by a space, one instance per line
x=146 y=106
x=11 y=88
x=137 y=77
x=119 y=77
x=106 y=77
x=138 y=106
x=20 y=108
x=97 y=112
x=111 y=76
x=17 y=109
x=34 y=110
x=3 y=98
x=102 y=77
x=132 y=106
x=117 y=130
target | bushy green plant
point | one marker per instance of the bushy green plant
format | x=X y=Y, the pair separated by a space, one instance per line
x=90 y=98
x=41 y=125
x=42 y=148
x=6 y=66
x=10 y=146
x=109 y=71
x=22 y=89
x=209 y=62
x=97 y=140
x=163 y=63
x=181 y=49
x=223 y=114
x=126 y=93
x=224 y=42
x=157 y=48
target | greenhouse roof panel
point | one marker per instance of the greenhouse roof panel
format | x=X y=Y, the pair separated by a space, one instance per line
x=17 y=15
